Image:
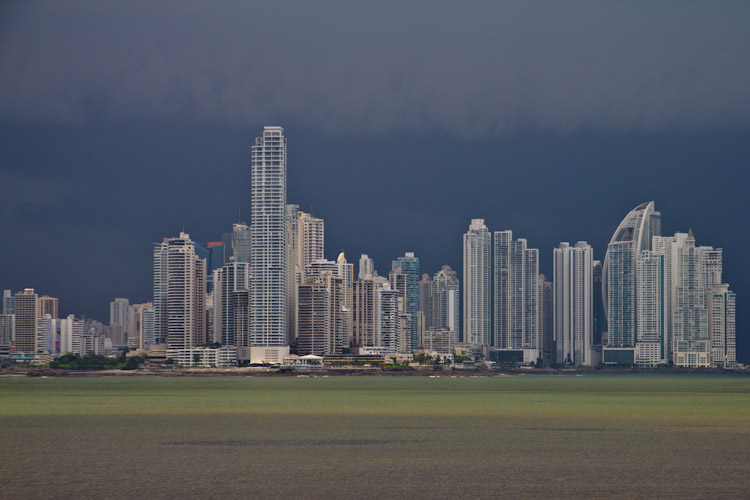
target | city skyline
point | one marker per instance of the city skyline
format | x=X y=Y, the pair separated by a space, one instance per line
x=104 y=151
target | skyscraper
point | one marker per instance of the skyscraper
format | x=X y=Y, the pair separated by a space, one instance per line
x=8 y=302
x=366 y=266
x=310 y=241
x=651 y=342
x=691 y=345
x=476 y=263
x=292 y=272
x=236 y=245
x=48 y=305
x=549 y=351
x=179 y=294
x=721 y=325
x=516 y=274
x=573 y=303
x=119 y=317
x=669 y=247
x=26 y=308
x=268 y=328
x=619 y=280
x=231 y=278
x=410 y=266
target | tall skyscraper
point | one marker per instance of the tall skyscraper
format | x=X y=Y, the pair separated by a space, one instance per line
x=292 y=271
x=314 y=318
x=141 y=326
x=600 y=316
x=651 y=343
x=691 y=345
x=410 y=266
x=476 y=263
x=236 y=245
x=310 y=241
x=71 y=334
x=231 y=278
x=179 y=294
x=366 y=266
x=721 y=325
x=268 y=327
x=26 y=308
x=516 y=275
x=573 y=303
x=119 y=316
x=7 y=335
x=619 y=280
x=549 y=351
x=669 y=246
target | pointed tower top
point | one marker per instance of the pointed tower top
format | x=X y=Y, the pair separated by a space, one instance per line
x=341 y=259
x=690 y=234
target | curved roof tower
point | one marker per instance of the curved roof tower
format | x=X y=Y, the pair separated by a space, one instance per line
x=639 y=226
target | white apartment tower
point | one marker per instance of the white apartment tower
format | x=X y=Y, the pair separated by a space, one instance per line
x=573 y=303
x=516 y=273
x=476 y=277
x=651 y=344
x=720 y=302
x=366 y=266
x=268 y=322
x=310 y=241
x=179 y=294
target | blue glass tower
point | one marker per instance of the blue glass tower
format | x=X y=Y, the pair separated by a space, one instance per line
x=409 y=265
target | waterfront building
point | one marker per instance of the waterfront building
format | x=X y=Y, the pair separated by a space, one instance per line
x=232 y=279
x=547 y=346
x=410 y=266
x=691 y=345
x=619 y=280
x=364 y=312
x=119 y=316
x=476 y=276
x=26 y=308
x=268 y=312
x=439 y=339
x=721 y=302
x=441 y=304
x=7 y=333
x=207 y=357
x=600 y=316
x=71 y=335
x=141 y=326
x=46 y=335
x=573 y=303
x=179 y=294
x=314 y=316
x=669 y=246
x=516 y=276
x=651 y=344
x=292 y=271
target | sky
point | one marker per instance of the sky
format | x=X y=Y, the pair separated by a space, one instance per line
x=122 y=123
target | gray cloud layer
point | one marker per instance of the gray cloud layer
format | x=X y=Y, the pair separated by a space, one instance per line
x=472 y=68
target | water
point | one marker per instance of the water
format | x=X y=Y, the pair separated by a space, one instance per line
x=376 y=437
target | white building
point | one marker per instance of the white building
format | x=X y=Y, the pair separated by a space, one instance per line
x=310 y=242
x=268 y=311
x=366 y=266
x=516 y=279
x=179 y=294
x=208 y=357
x=71 y=335
x=651 y=344
x=476 y=277
x=573 y=303
x=141 y=323
x=720 y=302
x=669 y=246
x=229 y=305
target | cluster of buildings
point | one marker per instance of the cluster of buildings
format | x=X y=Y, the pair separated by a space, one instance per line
x=656 y=300
x=266 y=289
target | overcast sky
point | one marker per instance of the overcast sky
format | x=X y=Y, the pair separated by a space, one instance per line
x=120 y=122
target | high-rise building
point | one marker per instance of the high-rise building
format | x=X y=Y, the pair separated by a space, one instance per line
x=179 y=294
x=366 y=266
x=549 y=351
x=720 y=302
x=310 y=241
x=364 y=312
x=7 y=335
x=119 y=316
x=236 y=245
x=47 y=305
x=441 y=306
x=516 y=276
x=231 y=278
x=71 y=334
x=141 y=326
x=476 y=263
x=314 y=318
x=46 y=335
x=8 y=302
x=691 y=345
x=268 y=328
x=26 y=308
x=651 y=342
x=600 y=316
x=619 y=280
x=292 y=272
x=573 y=303
x=410 y=266
x=669 y=246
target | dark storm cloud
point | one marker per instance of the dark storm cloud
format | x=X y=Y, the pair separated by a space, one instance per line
x=461 y=67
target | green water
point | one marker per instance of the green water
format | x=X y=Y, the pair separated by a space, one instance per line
x=376 y=437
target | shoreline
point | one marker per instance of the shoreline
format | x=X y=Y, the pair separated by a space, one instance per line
x=421 y=371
